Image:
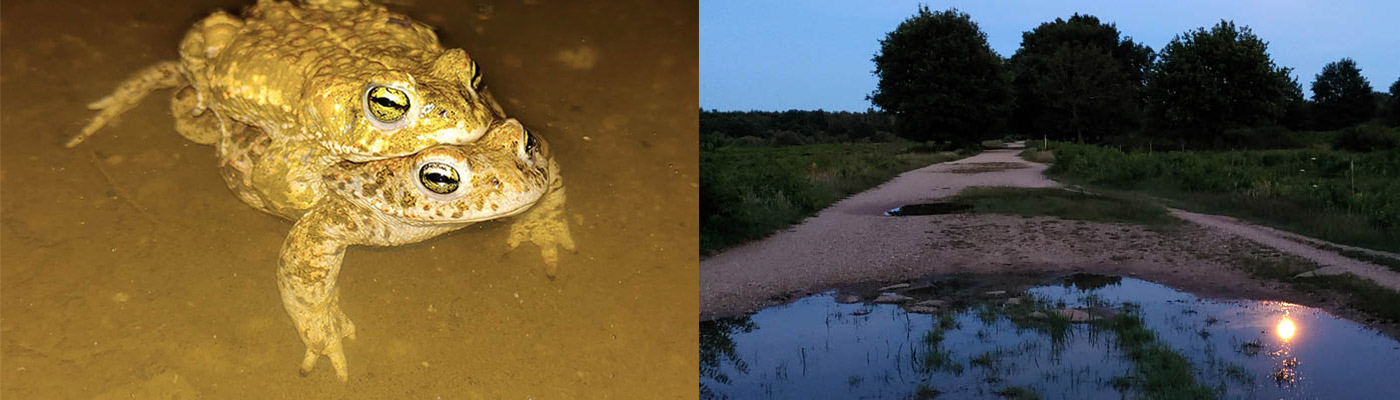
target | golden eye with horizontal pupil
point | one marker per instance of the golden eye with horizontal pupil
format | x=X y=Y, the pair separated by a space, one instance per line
x=439 y=178
x=529 y=141
x=386 y=104
x=476 y=76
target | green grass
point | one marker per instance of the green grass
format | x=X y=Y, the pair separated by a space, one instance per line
x=747 y=193
x=1343 y=197
x=1388 y=262
x=1359 y=294
x=1037 y=155
x=1065 y=204
x=1160 y=372
x=1017 y=393
x=993 y=144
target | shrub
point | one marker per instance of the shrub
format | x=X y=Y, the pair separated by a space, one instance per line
x=1367 y=137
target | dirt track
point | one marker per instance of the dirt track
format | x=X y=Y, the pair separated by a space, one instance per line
x=853 y=241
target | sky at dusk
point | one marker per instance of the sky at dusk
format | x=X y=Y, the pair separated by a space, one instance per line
x=780 y=55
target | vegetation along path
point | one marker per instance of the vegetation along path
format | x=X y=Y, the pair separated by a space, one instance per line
x=854 y=241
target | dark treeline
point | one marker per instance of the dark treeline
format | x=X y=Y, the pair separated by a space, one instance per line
x=1080 y=79
x=795 y=127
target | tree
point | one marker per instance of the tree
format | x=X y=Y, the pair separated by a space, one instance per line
x=1395 y=103
x=1075 y=77
x=940 y=79
x=1207 y=81
x=1343 y=97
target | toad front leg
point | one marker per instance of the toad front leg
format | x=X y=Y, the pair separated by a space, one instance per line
x=306 y=277
x=545 y=225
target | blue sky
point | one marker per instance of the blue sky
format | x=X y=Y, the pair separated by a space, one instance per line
x=780 y=55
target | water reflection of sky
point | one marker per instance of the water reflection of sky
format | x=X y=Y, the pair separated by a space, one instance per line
x=816 y=348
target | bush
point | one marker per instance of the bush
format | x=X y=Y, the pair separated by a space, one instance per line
x=1367 y=137
x=789 y=138
x=750 y=141
x=1271 y=137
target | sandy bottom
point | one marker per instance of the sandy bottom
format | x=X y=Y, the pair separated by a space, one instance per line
x=852 y=242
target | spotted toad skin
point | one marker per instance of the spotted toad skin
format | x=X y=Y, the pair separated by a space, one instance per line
x=282 y=94
x=301 y=73
x=385 y=203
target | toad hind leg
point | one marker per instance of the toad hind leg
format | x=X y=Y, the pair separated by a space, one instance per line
x=159 y=76
x=306 y=276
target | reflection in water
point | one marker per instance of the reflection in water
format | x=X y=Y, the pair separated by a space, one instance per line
x=817 y=348
x=1285 y=329
x=717 y=346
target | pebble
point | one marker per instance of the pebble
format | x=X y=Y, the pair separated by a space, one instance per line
x=896 y=286
x=847 y=299
x=890 y=298
x=918 y=309
x=932 y=303
x=1073 y=314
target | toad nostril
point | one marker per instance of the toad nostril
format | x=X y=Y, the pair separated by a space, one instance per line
x=495 y=183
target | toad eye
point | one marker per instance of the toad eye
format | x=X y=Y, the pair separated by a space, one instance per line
x=386 y=105
x=529 y=141
x=439 y=178
x=475 y=75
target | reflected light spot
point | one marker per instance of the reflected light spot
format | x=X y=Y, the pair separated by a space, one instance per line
x=1286 y=329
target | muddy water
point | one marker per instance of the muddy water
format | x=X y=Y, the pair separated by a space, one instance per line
x=127 y=268
x=978 y=346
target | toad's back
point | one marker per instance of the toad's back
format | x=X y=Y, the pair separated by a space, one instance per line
x=284 y=56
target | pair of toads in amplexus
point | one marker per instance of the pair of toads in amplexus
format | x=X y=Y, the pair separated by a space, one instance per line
x=355 y=123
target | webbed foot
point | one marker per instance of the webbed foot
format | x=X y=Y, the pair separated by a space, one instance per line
x=549 y=232
x=323 y=335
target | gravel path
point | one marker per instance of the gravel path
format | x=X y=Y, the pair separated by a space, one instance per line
x=853 y=242
x=1331 y=262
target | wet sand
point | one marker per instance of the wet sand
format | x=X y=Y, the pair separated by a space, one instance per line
x=127 y=268
x=853 y=242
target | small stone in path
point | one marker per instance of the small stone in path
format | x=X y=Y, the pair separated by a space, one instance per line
x=932 y=303
x=918 y=309
x=896 y=286
x=890 y=298
x=847 y=299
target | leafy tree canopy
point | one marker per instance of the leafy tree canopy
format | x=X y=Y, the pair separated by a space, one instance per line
x=1207 y=81
x=940 y=79
x=1395 y=103
x=1076 y=77
x=1342 y=96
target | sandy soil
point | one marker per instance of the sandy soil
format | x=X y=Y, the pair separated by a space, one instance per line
x=852 y=242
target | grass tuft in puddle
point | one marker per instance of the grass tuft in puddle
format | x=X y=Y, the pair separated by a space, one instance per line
x=935 y=358
x=1160 y=373
x=1029 y=202
x=1018 y=393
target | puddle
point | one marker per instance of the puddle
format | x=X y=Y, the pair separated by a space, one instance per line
x=953 y=339
x=928 y=209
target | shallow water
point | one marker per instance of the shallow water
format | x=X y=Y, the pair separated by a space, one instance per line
x=128 y=268
x=928 y=209
x=816 y=347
